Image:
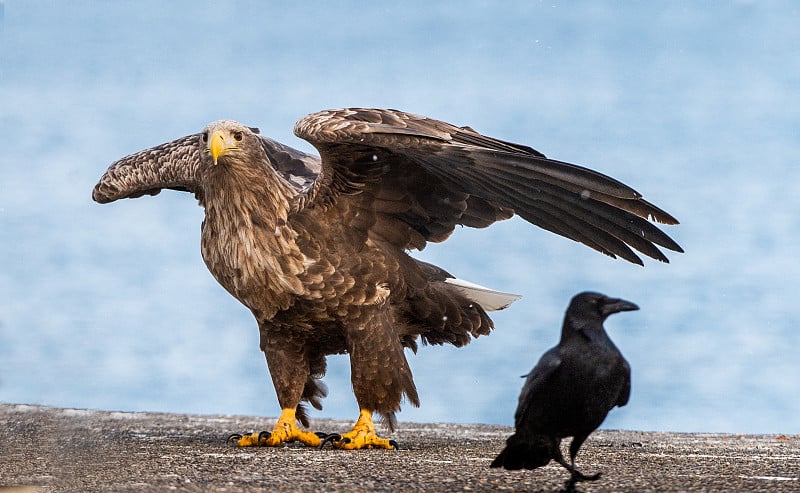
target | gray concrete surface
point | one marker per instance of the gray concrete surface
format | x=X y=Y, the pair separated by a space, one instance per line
x=48 y=449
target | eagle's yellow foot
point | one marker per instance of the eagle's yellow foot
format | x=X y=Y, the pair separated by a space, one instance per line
x=361 y=436
x=285 y=430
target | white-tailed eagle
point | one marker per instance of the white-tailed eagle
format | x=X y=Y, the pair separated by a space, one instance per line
x=316 y=247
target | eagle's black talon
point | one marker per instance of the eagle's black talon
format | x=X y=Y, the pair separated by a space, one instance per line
x=323 y=438
x=264 y=435
x=344 y=440
x=333 y=437
x=233 y=437
x=393 y=443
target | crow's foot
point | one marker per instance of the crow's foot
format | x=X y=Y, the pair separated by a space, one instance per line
x=578 y=477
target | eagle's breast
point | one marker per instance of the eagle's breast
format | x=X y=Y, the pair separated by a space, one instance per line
x=252 y=252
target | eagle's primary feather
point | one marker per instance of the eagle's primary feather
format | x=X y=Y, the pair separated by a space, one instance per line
x=317 y=248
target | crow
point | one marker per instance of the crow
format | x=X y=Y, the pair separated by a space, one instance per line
x=570 y=390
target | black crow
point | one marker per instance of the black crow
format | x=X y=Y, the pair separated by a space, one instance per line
x=570 y=390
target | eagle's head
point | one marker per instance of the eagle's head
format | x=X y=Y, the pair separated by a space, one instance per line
x=229 y=142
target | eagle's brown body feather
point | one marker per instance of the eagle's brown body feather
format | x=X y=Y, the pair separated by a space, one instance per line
x=317 y=248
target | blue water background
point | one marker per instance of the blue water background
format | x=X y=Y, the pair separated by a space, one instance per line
x=696 y=105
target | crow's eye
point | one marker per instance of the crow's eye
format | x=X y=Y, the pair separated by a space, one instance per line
x=237 y=136
x=205 y=136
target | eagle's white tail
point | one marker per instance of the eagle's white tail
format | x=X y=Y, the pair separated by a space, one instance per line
x=489 y=299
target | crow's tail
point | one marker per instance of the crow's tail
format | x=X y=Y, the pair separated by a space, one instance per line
x=524 y=453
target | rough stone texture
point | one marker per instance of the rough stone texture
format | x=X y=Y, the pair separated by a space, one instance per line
x=49 y=449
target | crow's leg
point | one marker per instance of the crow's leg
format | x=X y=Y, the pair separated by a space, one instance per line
x=575 y=475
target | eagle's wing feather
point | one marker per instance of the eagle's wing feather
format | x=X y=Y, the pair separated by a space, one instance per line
x=296 y=167
x=429 y=176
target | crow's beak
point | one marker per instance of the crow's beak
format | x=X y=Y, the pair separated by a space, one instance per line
x=615 y=305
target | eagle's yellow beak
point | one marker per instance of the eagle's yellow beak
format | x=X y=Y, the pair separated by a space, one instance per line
x=217 y=145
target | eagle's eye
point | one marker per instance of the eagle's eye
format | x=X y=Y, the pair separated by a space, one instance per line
x=205 y=137
x=237 y=136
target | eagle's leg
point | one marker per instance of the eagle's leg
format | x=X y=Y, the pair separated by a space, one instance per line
x=380 y=376
x=289 y=367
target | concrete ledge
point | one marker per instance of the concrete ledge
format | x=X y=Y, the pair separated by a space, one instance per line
x=50 y=449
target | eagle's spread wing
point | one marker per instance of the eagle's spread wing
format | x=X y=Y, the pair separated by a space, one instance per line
x=428 y=176
x=173 y=165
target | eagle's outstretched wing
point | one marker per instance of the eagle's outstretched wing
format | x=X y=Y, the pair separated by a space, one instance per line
x=173 y=165
x=428 y=176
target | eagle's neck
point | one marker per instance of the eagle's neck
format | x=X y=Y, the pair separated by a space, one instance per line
x=247 y=241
